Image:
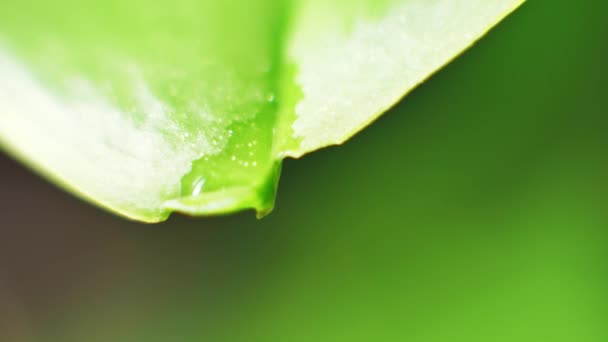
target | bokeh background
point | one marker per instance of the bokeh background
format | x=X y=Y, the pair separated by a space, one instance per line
x=475 y=210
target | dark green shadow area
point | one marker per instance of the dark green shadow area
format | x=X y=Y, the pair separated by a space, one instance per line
x=475 y=210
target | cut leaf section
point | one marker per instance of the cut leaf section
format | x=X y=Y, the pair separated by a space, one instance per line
x=354 y=64
x=189 y=106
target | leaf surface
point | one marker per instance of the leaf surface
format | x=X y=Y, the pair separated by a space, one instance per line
x=148 y=108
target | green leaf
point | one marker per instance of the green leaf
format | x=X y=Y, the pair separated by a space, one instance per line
x=148 y=108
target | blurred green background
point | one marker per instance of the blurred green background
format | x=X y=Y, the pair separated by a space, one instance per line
x=475 y=210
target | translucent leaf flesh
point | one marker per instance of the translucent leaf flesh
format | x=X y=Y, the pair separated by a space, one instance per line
x=190 y=105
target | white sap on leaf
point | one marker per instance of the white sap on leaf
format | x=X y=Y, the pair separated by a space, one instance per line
x=89 y=144
x=349 y=76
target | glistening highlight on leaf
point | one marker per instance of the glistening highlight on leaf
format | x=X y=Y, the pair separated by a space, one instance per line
x=190 y=106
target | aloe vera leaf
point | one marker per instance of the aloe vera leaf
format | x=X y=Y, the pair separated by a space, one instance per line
x=148 y=108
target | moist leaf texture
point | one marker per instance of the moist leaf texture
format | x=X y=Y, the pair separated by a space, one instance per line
x=190 y=106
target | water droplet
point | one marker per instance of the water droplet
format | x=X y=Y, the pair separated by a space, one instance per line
x=197 y=186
